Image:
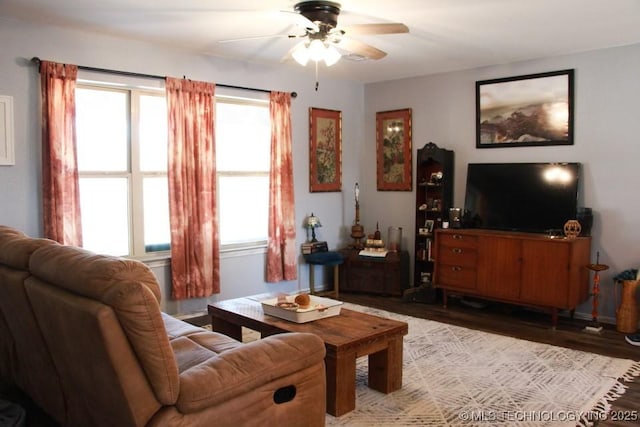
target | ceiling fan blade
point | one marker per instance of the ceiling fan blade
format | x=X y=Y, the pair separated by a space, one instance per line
x=366 y=29
x=241 y=39
x=303 y=21
x=361 y=49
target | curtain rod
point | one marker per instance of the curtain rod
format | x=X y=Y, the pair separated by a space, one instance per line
x=37 y=60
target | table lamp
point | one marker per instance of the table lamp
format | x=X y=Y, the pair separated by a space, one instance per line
x=313 y=222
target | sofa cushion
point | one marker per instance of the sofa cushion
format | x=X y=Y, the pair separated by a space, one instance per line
x=93 y=275
x=131 y=290
x=178 y=328
x=92 y=354
x=22 y=346
x=214 y=341
x=240 y=370
x=16 y=248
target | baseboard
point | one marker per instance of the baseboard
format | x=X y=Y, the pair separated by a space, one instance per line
x=601 y=319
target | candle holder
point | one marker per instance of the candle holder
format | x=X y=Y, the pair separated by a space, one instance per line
x=595 y=326
x=357 y=230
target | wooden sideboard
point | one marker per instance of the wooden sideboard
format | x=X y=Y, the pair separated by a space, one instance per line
x=520 y=268
x=386 y=276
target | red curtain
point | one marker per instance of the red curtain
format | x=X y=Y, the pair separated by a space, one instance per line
x=61 y=193
x=195 y=247
x=282 y=254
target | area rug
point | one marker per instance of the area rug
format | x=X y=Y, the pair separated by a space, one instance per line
x=453 y=376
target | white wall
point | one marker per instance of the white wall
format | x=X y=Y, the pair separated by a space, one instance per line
x=240 y=276
x=607 y=125
x=606 y=128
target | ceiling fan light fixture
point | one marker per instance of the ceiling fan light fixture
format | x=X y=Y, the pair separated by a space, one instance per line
x=316 y=50
x=301 y=54
x=331 y=56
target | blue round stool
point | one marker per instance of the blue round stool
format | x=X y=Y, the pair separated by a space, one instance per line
x=325 y=258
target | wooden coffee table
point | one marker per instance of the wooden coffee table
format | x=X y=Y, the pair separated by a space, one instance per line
x=350 y=335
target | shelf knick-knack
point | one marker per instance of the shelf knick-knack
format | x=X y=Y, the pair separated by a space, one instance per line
x=572 y=229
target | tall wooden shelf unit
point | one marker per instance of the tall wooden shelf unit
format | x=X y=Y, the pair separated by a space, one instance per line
x=434 y=197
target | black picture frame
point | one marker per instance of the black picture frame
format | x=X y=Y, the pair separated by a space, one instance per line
x=525 y=111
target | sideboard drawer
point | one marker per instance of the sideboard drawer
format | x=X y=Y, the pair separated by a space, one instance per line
x=456 y=276
x=454 y=255
x=457 y=240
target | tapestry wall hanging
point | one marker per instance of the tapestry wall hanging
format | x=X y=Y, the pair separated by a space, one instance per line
x=325 y=150
x=393 y=150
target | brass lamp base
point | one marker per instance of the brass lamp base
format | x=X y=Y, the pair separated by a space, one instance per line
x=357 y=233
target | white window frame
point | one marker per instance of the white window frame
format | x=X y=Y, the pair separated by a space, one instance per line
x=258 y=246
x=133 y=174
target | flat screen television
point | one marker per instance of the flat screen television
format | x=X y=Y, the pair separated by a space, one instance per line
x=529 y=197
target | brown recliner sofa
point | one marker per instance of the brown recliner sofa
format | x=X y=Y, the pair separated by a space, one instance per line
x=83 y=335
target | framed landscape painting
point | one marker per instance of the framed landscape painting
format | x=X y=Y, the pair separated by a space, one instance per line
x=325 y=150
x=524 y=111
x=393 y=150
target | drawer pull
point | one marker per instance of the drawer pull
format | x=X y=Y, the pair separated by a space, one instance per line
x=456 y=268
x=456 y=250
x=457 y=236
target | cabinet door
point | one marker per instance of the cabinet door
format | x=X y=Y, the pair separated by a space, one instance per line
x=387 y=276
x=364 y=276
x=499 y=262
x=545 y=273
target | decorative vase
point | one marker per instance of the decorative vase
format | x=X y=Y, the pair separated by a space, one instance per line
x=627 y=312
x=394 y=238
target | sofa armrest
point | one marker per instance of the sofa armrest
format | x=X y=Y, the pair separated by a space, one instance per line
x=240 y=370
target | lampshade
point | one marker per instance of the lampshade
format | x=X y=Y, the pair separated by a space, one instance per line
x=313 y=221
x=331 y=56
x=301 y=54
x=317 y=51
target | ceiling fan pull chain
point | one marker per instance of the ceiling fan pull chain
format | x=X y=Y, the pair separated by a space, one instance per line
x=316 y=76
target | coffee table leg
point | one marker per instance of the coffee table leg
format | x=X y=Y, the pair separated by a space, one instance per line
x=229 y=329
x=341 y=383
x=385 y=367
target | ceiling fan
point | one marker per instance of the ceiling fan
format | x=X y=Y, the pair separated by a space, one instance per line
x=323 y=30
x=325 y=41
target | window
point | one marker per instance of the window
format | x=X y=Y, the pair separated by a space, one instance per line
x=243 y=138
x=122 y=162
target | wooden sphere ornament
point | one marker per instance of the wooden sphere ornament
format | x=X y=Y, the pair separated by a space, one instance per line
x=572 y=229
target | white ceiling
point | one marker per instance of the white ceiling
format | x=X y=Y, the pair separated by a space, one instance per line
x=445 y=35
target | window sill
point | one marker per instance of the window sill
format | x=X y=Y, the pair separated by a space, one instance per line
x=230 y=252
x=164 y=258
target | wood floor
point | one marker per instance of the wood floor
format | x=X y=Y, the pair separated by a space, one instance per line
x=495 y=318
x=525 y=324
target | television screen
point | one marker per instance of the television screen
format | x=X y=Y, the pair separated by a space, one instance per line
x=530 y=197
